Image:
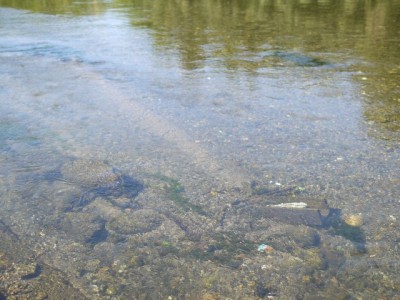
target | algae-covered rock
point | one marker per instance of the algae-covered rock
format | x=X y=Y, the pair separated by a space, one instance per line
x=84 y=227
x=305 y=237
x=94 y=178
x=89 y=173
x=137 y=222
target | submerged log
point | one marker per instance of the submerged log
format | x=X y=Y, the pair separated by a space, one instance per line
x=295 y=216
x=307 y=212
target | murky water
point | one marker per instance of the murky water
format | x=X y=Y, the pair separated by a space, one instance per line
x=149 y=149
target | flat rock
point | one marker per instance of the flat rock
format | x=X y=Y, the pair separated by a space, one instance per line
x=89 y=173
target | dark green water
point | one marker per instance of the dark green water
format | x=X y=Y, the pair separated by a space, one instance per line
x=143 y=142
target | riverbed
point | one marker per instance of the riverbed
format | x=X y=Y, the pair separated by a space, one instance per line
x=150 y=149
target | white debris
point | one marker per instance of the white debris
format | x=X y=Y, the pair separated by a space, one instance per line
x=291 y=205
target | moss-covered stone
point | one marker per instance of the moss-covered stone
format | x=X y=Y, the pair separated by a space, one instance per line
x=137 y=222
x=175 y=192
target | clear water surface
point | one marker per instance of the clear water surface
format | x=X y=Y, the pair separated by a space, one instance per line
x=143 y=145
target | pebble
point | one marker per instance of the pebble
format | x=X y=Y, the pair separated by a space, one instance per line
x=264 y=248
x=355 y=220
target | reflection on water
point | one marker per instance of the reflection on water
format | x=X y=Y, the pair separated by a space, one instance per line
x=199 y=149
x=240 y=34
x=59 y=7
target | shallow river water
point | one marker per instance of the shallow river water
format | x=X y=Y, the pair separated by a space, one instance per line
x=199 y=149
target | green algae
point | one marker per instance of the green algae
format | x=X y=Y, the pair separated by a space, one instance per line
x=226 y=249
x=175 y=192
x=167 y=247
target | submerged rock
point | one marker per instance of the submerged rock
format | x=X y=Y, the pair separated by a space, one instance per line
x=89 y=173
x=96 y=178
x=84 y=227
x=138 y=222
x=355 y=220
x=295 y=59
